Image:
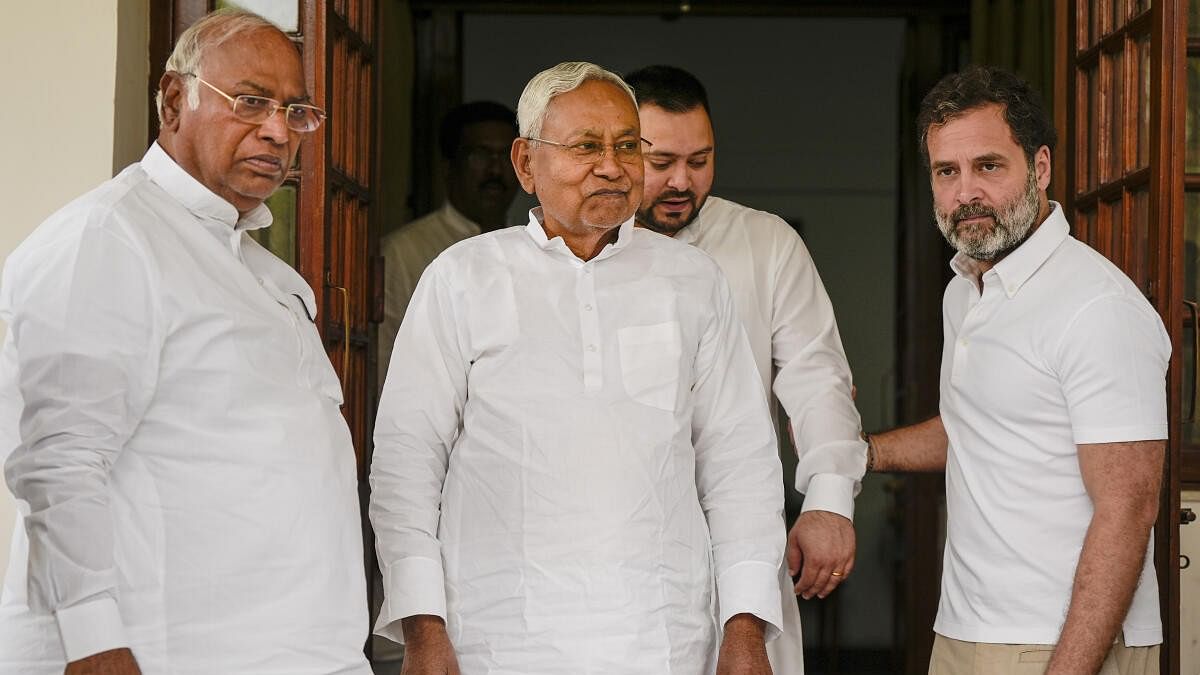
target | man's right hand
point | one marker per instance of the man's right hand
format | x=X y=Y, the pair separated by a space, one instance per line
x=427 y=647
x=111 y=662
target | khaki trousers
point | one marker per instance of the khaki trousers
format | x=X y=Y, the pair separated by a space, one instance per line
x=955 y=657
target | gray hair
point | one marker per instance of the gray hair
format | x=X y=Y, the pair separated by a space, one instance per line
x=563 y=78
x=210 y=32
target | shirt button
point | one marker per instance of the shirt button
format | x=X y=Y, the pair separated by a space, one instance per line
x=587 y=308
x=591 y=348
x=587 y=270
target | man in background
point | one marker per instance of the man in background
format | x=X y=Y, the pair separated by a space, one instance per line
x=475 y=140
x=789 y=320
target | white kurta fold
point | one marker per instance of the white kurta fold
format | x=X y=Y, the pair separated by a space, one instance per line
x=574 y=461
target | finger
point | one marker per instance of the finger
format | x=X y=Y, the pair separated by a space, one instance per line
x=818 y=581
x=831 y=583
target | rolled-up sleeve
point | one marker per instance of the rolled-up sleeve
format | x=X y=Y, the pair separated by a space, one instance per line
x=813 y=384
x=739 y=478
x=84 y=322
x=420 y=415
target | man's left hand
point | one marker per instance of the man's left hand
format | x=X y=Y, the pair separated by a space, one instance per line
x=821 y=549
x=743 y=647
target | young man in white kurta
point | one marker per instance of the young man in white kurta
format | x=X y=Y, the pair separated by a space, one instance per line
x=789 y=320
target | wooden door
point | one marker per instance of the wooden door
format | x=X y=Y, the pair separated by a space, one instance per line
x=1120 y=118
x=324 y=220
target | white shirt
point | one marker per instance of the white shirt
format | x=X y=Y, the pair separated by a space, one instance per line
x=794 y=336
x=189 y=477
x=574 y=463
x=406 y=252
x=1060 y=349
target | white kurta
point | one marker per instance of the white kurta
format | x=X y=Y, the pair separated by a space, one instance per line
x=574 y=462
x=406 y=253
x=793 y=334
x=188 y=474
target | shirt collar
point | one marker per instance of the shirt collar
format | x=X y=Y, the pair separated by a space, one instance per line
x=538 y=234
x=1017 y=267
x=192 y=194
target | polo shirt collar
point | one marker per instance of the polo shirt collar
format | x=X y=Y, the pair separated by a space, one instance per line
x=197 y=198
x=1017 y=267
x=537 y=233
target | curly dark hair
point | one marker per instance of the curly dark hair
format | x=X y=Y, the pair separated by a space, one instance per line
x=977 y=86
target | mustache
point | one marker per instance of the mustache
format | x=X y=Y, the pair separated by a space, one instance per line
x=972 y=211
x=674 y=194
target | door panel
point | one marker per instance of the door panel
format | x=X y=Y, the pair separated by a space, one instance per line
x=1123 y=65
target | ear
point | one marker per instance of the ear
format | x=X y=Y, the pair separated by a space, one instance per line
x=1041 y=165
x=174 y=95
x=521 y=161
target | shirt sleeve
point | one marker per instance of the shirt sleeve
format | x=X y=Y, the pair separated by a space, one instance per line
x=813 y=384
x=1112 y=362
x=420 y=415
x=738 y=475
x=82 y=315
x=399 y=283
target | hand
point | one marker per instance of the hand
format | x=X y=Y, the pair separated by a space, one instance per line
x=820 y=544
x=111 y=662
x=743 y=647
x=427 y=647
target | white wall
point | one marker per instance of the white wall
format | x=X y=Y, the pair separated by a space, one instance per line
x=65 y=124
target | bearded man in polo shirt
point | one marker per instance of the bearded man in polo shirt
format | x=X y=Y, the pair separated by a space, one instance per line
x=1053 y=409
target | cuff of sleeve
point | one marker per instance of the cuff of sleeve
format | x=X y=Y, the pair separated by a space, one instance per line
x=830 y=492
x=411 y=586
x=1147 y=432
x=90 y=628
x=752 y=587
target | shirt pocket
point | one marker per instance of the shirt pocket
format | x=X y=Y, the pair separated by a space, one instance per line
x=650 y=363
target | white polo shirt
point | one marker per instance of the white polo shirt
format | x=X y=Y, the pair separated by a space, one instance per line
x=1061 y=348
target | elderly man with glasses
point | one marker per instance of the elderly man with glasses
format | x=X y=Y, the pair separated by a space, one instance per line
x=575 y=469
x=187 y=476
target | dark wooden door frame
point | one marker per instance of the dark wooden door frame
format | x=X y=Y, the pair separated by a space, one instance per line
x=1166 y=24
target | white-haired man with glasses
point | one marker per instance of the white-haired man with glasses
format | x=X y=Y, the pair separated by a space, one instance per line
x=575 y=469
x=187 y=477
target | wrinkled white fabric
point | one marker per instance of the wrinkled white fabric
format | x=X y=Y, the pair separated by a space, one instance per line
x=406 y=252
x=793 y=333
x=1059 y=349
x=574 y=463
x=187 y=472
x=794 y=336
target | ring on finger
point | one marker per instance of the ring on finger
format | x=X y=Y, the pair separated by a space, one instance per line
x=835 y=574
